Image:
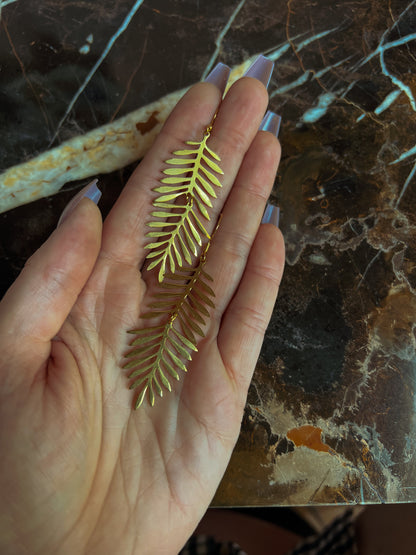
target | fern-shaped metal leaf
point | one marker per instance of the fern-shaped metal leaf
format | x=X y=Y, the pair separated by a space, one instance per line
x=161 y=352
x=182 y=204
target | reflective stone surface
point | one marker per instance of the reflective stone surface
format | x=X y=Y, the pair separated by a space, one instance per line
x=330 y=416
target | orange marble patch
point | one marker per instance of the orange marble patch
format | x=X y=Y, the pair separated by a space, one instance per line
x=308 y=436
x=146 y=126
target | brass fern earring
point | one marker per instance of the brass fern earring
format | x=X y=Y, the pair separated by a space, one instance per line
x=181 y=306
x=192 y=179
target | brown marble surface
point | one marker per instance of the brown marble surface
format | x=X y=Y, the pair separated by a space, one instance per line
x=330 y=416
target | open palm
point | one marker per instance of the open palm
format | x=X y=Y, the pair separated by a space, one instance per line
x=80 y=471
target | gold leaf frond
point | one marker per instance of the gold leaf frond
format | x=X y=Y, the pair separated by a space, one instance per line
x=161 y=352
x=181 y=206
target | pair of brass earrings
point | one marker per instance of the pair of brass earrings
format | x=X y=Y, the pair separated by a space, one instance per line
x=162 y=351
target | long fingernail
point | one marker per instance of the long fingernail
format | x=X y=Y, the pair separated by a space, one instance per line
x=271 y=122
x=261 y=69
x=91 y=191
x=219 y=76
x=271 y=215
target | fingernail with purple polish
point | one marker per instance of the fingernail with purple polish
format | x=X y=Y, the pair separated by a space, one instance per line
x=219 y=76
x=271 y=215
x=261 y=69
x=271 y=122
x=91 y=191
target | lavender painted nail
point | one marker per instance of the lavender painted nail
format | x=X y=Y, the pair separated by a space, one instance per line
x=91 y=191
x=219 y=76
x=261 y=69
x=271 y=122
x=271 y=215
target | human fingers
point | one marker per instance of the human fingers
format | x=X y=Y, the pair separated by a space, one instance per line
x=237 y=119
x=228 y=251
x=36 y=305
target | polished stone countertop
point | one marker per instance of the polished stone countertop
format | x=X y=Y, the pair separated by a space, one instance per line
x=330 y=416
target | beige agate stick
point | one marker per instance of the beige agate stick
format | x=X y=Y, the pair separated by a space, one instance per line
x=103 y=150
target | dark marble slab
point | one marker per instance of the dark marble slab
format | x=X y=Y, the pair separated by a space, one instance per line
x=331 y=412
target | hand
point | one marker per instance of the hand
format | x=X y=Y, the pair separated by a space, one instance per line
x=80 y=471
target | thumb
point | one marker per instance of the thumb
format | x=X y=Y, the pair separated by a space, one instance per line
x=36 y=305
